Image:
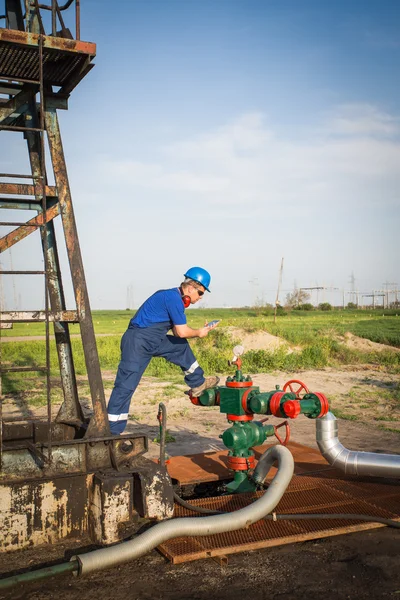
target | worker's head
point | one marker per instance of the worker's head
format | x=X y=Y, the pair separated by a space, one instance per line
x=195 y=284
x=199 y=275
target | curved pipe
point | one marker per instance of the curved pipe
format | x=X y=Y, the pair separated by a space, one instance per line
x=369 y=464
x=195 y=526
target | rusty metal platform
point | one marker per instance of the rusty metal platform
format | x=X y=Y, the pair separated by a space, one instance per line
x=315 y=488
x=63 y=58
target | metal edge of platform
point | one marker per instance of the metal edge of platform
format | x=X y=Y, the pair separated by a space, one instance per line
x=204 y=553
x=23 y=38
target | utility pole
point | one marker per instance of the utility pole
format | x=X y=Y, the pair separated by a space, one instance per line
x=278 y=290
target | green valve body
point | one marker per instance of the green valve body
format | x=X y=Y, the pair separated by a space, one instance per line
x=243 y=435
x=240 y=400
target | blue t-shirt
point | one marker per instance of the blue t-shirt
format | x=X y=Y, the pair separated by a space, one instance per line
x=163 y=306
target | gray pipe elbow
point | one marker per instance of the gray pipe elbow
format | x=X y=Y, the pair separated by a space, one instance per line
x=369 y=464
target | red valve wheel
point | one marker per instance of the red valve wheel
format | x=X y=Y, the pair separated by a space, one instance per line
x=295 y=386
x=287 y=436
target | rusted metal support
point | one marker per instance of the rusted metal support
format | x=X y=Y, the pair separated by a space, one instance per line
x=70 y=410
x=43 y=230
x=18 y=101
x=16 y=128
x=37 y=316
x=78 y=18
x=76 y=78
x=22 y=189
x=19 y=234
x=99 y=424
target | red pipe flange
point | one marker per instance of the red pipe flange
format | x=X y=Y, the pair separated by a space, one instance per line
x=244 y=402
x=238 y=384
x=241 y=463
x=240 y=417
x=275 y=404
x=324 y=404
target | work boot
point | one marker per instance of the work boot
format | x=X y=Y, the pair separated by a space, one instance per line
x=208 y=383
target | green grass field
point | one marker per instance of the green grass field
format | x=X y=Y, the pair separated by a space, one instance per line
x=315 y=333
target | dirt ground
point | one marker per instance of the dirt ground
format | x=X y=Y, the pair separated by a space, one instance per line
x=362 y=565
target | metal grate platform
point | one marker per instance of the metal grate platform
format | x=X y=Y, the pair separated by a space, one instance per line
x=321 y=490
x=62 y=58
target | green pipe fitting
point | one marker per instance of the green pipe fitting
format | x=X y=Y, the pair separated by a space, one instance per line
x=240 y=483
x=259 y=402
x=208 y=397
x=310 y=405
x=238 y=377
x=243 y=435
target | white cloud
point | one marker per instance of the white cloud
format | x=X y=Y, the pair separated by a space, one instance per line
x=363 y=120
x=246 y=163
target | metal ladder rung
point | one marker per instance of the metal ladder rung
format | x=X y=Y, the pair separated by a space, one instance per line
x=23 y=369
x=37 y=316
x=18 y=176
x=15 y=128
x=18 y=224
x=23 y=272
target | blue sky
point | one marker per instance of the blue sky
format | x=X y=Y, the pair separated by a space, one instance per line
x=230 y=134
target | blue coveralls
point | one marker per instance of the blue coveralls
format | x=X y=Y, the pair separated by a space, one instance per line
x=146 y=337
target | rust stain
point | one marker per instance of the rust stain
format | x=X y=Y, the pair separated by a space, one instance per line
x=32 y=39
x=21 y=189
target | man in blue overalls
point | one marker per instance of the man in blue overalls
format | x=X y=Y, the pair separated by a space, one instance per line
x=147 y=336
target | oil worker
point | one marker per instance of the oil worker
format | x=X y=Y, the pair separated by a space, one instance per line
x=147 y=336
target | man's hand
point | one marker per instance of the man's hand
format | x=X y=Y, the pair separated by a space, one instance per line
x=183 y=331
x=204 y=331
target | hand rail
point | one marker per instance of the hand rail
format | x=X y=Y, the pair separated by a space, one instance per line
x=56 y=10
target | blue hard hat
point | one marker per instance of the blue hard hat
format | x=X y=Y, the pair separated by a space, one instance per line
x=200 y=275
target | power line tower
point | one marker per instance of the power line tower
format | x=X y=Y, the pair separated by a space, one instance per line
x=355 y=294
x=388 y=291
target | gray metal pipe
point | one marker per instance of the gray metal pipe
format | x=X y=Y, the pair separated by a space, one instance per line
x=369 y=464
x=195 y=526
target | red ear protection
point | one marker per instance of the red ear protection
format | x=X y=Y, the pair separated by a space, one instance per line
x=185 y=299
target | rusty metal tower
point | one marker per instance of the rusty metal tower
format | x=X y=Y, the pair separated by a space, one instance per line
x=38 y=72
x=32 y=66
